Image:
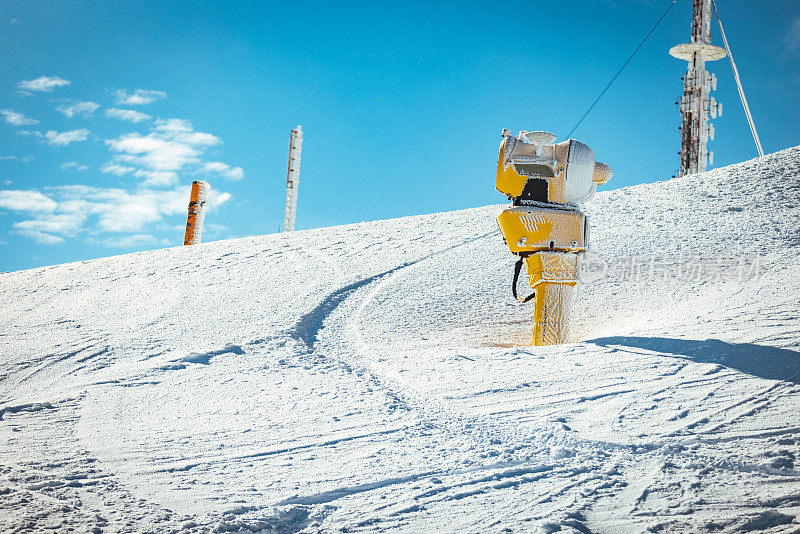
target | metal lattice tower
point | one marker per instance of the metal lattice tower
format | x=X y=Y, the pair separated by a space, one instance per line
x=696 y=103
x=293 y=178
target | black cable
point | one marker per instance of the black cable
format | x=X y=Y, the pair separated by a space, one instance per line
x=517 y=269
x=646 y=37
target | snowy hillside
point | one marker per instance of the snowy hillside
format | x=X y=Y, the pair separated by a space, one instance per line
x=367 y=377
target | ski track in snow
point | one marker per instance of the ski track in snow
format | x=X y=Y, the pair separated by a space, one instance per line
x=374 y=377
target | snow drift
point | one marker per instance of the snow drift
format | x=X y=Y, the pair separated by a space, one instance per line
x=374 y=377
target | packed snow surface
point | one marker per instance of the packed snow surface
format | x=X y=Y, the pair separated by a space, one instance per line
x=376 y=377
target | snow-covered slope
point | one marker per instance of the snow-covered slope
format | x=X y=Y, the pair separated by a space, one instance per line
x=374 y=377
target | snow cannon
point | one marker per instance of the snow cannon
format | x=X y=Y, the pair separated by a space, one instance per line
x=545 y=181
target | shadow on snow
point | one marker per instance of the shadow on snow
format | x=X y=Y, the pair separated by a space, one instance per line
x=757 y=360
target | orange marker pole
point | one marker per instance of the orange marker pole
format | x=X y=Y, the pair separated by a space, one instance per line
x=197 y=212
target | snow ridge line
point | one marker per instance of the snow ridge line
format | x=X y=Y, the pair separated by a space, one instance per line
x=186 y=465
x=328 y=496
x=30 y=407
x=504 y=470
x=309 y=324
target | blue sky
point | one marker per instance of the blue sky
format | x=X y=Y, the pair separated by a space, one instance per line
x=111 y=109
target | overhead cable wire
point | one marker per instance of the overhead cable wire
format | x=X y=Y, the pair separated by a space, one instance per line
x=739 y=84
x=646 y=37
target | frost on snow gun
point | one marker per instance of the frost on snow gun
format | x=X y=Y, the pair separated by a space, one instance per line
x=544 y=227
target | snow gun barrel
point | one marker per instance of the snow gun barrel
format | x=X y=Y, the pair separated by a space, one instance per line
x=544 y=227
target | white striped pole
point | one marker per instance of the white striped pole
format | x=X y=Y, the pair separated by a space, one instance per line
x=293 y=178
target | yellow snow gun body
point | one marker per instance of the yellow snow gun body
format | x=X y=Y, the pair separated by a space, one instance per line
x=544 y=227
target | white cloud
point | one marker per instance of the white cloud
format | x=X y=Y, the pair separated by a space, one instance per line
x=72 y=211
x=24 y=159
x=157 y=178
x=44 y=84
x=181 y=130
x=26 y=201
x=222 y=169
x=52 y=228
x=28 y=133
x=41 y=237
x=139 y=97
x=74 y=165
x=153 y=152
x=65 y=138
x=76 y=108
x=129 y=115
x=217 y=199
x=151 y=178
x=131 y=213
x=16 y=118
x=172 y=147
x=115 y=169
x=174 y=125
x=160 y=155
x=53 y=223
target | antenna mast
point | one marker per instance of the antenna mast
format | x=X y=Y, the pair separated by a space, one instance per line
x=696 y=103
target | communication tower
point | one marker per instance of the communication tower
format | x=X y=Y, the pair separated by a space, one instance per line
x=696 y=104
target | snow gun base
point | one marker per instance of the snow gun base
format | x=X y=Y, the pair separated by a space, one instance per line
x=548 y=241
x=553 y=276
